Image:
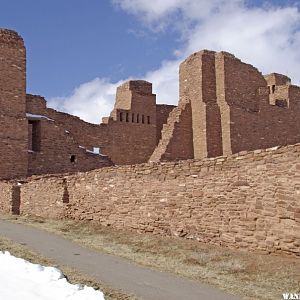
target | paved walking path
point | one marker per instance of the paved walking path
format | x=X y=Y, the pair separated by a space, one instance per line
x=117 y=272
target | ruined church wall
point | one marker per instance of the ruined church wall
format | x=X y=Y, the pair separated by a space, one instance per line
x=242 y=83
x=256 y=122
x=131 y=143
x=86 y=134
x=270 y=127
x=190 y=91
x=180 y=144
x=248 y=200
x=56 y=148
x=198 y=87
x=13 y=133
x=162 y=115
x=123 y=142
x=132 y=128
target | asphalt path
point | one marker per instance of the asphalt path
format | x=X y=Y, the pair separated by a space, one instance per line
x=118 y=272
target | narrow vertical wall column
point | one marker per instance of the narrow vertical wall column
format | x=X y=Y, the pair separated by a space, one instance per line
x=221 y=100
x=16 y=200
x=212 y=112
x=190 y=78
x=13 y=122
x=198 y=87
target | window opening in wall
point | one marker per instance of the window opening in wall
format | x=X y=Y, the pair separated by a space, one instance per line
x=121 y=117
x=34 y=128
x=127 y=117
x=273 y=89
x=138 y=118
x=143 y=119
x=281 y=103
x=148 y=119
x=132 y=118
x=73 y=159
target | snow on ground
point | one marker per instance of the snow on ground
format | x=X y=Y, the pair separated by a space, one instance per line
x=20 y=279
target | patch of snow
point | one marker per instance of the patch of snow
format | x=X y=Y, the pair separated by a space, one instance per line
x=92 y=152
x=20 y=279
x=96 y=150
x=37 y=117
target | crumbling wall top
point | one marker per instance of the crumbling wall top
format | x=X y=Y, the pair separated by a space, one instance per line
x=140 y=86
x=197 y=54
x=11 y=38
x=277 y=79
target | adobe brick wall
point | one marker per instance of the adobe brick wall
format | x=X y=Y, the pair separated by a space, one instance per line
x=51 y=200
x=86 y=134
x=132 y=126
x=255 y=122
x=162 y=114
x=129 y=139
x=176 y=142
x=233 y=108
x=56 y=148
x=248 y=200
x=226 y=106
x=13 y=133
x=198 y=87
x=10 y=196
x=6 y=191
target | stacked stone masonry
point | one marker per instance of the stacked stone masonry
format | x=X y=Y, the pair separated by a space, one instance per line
x=191 y=170
x=248 y=200
x=233 y=108
x=225 y=106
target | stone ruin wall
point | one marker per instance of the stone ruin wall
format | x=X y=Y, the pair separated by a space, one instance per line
x=225 y=106
x=128 y=136
x=57 y=143
x=13 y=133
x=249 y=200
x=162 y=114
x=132 y=124
x=233 y=108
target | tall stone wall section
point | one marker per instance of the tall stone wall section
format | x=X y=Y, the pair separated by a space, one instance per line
x=13 y=123
x=128 y=136
x=162 y=114
x=132 y=125
x=176 y=140
x=252 y=120
x=233 y=108
x=198 y=87
x=60 y=153
x=248 y=200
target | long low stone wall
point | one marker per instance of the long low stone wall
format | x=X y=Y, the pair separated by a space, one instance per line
x=250 y=200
